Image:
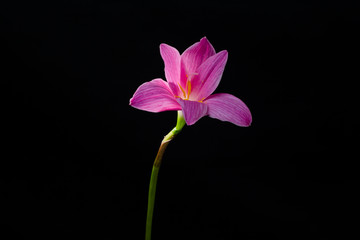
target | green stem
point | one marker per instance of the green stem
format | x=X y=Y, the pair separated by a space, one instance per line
x=151 y=201
x=155 y=171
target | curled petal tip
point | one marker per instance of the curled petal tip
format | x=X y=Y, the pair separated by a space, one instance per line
x=162 y=45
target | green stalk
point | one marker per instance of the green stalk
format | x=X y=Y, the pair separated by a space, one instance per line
x=151 y=201
x=155 y=171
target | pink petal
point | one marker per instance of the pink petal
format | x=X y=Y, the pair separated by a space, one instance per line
x=193 y=57
x=154 y=96
x=227 y=107
x=192 y=110
x=172 y=60
x=210 y=73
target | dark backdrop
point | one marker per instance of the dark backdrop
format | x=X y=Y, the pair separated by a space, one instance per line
x=76 y=158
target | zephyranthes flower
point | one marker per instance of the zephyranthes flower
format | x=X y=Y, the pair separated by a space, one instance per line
x=191 y=79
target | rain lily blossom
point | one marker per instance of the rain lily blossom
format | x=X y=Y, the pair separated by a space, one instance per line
x=192 y=77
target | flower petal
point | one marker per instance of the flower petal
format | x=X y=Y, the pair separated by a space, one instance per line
x=192 y=110
x=154 y=96
x=227 y=107
x=210 y=73
x=172 y=60
x=193 y=57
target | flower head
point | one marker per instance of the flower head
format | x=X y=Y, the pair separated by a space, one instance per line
x=192 y=77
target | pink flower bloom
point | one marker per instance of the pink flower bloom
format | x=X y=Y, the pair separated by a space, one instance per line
x=191 y=79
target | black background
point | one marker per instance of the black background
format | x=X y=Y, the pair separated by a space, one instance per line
x=76 y=158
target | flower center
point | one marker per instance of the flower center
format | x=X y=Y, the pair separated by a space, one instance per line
x=187 y=90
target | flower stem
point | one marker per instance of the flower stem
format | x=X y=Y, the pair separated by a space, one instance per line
x=155 y=171
x=151 y=201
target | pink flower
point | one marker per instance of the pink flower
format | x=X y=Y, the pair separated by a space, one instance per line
x=191 y=79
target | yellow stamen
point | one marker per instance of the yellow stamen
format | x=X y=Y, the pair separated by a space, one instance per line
x=189 y=89
x=182 y=90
